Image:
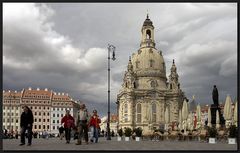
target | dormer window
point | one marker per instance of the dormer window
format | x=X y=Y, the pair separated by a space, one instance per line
x=151 y=63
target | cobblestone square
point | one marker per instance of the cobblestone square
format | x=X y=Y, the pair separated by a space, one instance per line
x=57 y=144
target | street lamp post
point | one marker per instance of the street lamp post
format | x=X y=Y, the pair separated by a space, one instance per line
x=10 y=115
x=110 y=48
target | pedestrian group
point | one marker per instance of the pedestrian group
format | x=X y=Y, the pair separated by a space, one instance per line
x=84 y=123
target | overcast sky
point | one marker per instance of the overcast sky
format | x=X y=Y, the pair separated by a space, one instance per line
x=63 y=47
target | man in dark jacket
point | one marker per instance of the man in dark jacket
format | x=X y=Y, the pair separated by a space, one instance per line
x=26 y=123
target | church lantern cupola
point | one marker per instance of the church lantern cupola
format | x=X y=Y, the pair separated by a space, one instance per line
x=147 y=34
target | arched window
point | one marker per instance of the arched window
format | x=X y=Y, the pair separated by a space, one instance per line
x=125 y=111
x=139 y=111
x=154 y=110
x=148 y=32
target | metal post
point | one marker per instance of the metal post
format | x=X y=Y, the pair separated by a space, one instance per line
x=10 y=116
x=110 y=47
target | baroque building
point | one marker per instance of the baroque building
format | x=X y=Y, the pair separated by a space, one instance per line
x=146 y=92
x=48 y=108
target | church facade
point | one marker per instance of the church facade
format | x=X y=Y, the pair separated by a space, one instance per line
x=146 y=92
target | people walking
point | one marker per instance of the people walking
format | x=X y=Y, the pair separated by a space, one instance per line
x=94 y=125
x=68 y=121
x=61 y=134
x=82 y=124
x=26 y=123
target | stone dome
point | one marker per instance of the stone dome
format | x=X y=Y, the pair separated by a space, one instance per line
x=148 y=62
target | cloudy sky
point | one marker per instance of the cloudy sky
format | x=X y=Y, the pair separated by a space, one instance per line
x=63 y=47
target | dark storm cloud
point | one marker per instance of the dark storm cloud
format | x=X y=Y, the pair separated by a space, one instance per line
x=63 y=47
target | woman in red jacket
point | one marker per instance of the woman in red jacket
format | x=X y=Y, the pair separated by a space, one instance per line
x=94 y=124
x=68 y=121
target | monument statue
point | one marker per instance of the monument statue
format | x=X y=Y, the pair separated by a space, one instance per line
x=215 y=95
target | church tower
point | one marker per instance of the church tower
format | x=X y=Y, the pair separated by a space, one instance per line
x=147 y=34
x=146 y=91
x=173 y=78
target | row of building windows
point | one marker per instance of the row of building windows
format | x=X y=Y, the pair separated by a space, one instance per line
x=8 y=114
x=36 y=101
x=54 y=127
x=39 y=113
x=56 y=120
x=31 y=107
x=11 y=101
x=9 y=120
x=44 y=127
x=58 y=115
x=39 y=120
x=34 y=96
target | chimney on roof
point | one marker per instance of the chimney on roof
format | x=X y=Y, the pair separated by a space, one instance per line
x=46 y=89
x=38 y=89
x=29 y=88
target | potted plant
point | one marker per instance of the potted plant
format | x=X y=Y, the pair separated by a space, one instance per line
x=138 y=132
x=232 y=134
x=120 y=134
x=128 y=133
x=212 y=131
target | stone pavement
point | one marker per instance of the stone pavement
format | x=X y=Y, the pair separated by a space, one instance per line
x=57 y=144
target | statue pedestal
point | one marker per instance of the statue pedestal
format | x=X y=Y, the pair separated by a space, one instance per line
x=214 y=108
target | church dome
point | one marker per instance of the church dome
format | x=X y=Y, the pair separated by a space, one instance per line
x=148 y=62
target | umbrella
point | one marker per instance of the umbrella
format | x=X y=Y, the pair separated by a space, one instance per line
x=180 y=119
x=185 y=110
x=228 y=108
x=235 y=114
x=190 y=121
x=166 y=117
x=209 y=117
x=228 y=111
x=199 y=115
x=217 y=120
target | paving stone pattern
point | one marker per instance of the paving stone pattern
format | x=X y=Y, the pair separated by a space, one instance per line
x=57 y=144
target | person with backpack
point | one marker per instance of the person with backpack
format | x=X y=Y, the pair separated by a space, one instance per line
x=68 y=121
